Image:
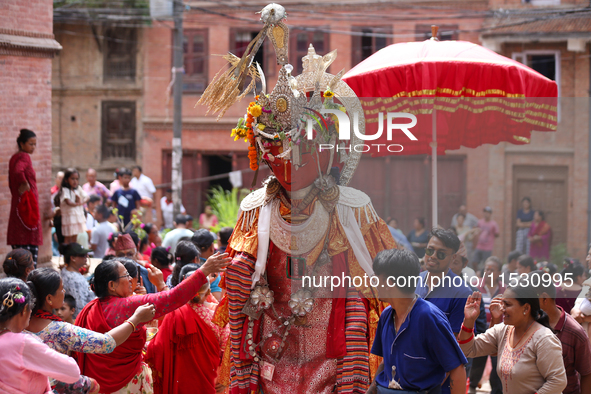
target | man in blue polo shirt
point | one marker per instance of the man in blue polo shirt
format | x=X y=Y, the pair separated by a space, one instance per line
x=413 y=336
x=439 y=285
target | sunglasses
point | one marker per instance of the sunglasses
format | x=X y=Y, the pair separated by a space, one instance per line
x=440 y=254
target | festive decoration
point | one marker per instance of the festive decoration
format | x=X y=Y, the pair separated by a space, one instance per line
x=290 y=117
x=284 y=129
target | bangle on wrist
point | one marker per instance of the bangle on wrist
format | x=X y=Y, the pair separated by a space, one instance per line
x=130 y=322
x=466 y=340
x=466 y=329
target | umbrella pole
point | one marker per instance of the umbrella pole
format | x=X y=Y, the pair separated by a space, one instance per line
x=434 y=169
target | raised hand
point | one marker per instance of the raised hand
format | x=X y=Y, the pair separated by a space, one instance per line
x=216 y=263
x=145 y=313
x=496 y=308
x=155 y=277
x=472 y=308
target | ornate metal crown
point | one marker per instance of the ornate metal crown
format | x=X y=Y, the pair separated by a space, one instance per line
x=290 y=116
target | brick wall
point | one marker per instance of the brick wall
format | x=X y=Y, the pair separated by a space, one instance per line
x=25 y=102
x=78 y=92
x=31 y=15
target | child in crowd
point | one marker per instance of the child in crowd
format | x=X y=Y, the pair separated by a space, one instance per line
x=100 y=234
x=68 y=309
x=161 y=258
x=93 y=202
x=26 y=361
x=111 y=239
x=125 y=199
x=185 y=253
x=72 y=199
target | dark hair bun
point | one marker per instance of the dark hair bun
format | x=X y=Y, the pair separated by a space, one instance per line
x=17 y=262
x=24 y=136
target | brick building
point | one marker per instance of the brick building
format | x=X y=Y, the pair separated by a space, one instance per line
x=27 y=45
x=552 y=169
x=98 y=89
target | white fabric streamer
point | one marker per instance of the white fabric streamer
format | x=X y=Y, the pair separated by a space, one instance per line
x=263 y=247
x=353 y=232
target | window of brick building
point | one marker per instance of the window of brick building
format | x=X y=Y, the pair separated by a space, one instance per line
x=445 y=32
x=118 y=130
x=546 y=62
x=119 y=54
x=299 y=43
x=195 y=51
x=368 y=40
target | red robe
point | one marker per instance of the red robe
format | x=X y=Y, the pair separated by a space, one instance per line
x=20 y=169
x=112 y=371
x=184 y=355
x=115 y=370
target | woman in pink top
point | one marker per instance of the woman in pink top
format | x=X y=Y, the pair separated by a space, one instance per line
x=208 y=219
x=26 y=361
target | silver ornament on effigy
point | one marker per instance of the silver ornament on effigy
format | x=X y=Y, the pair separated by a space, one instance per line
x=301 y=303
x=323 y=258
x=261 y=298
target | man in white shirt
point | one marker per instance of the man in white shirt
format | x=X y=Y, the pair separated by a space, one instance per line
x=141 y=183
x=145 y=187
x=172 y=238
x=166 y=207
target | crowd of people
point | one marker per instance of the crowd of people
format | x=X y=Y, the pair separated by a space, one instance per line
x=533 y=235
x=144 y=320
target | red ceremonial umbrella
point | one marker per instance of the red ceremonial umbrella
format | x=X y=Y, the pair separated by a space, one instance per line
x=462 y=94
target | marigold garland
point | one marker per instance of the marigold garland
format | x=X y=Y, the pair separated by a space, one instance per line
x=252 y=149
x=256 y=110
x=245 y=130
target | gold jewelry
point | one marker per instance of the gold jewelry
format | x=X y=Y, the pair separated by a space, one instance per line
x=130 y=322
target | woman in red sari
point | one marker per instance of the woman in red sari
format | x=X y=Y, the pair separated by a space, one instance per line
x=24 y=225
x=123 y=370
x=187 y=350
x=540 y=237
